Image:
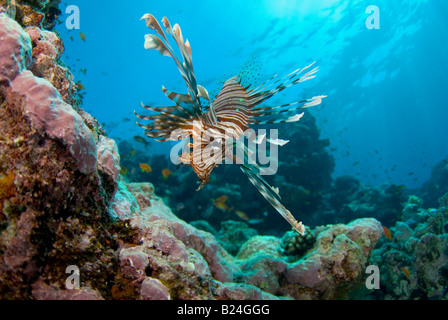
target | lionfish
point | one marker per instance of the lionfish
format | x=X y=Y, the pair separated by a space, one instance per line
x=220 y=123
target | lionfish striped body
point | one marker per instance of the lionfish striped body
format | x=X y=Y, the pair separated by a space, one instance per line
x=216 y=127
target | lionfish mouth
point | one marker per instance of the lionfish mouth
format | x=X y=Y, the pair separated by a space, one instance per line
x=223 y=120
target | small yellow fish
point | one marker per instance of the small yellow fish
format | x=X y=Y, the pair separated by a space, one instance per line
x=242 y=215
x=166 y=173
x=145 y=167
x=222 y=199
x=132 y=153
x=406 y=272
x=80 y=86
x=220 y=203
x=83 y=36
x=71 y=38
x=387 y=233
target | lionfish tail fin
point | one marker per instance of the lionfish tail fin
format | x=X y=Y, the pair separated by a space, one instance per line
x=271 y=194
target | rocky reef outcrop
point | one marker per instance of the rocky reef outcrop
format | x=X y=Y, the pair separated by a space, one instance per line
x=55 y=193
x=331 y=269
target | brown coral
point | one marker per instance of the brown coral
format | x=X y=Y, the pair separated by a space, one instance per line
x=27 y=16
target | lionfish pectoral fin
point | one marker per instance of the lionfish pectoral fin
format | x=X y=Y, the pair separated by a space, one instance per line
x=272 y=196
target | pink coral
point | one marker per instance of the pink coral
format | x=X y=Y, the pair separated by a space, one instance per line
x=15 y=49
x=337 y=262
x=153 y=289
x=43 y=291
x=47 y=49
x=108 y=157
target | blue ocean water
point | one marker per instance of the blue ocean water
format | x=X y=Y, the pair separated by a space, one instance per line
x=385 y=114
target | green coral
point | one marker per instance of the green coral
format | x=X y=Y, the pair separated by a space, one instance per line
x=296 y=245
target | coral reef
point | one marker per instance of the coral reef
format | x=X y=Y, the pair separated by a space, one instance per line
x=15 y=51
x=436 y=186
x=47 y=49
x=179 y=255
x=233 y=234
x=32 y=13
x=331 y=269
x=348 y=199
x=295 y=246
x=414 y=265
x=65 y=203
x=35 y=49
x=47 y=112
x=55 y=213
x=336 y=265
x=65 y=200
